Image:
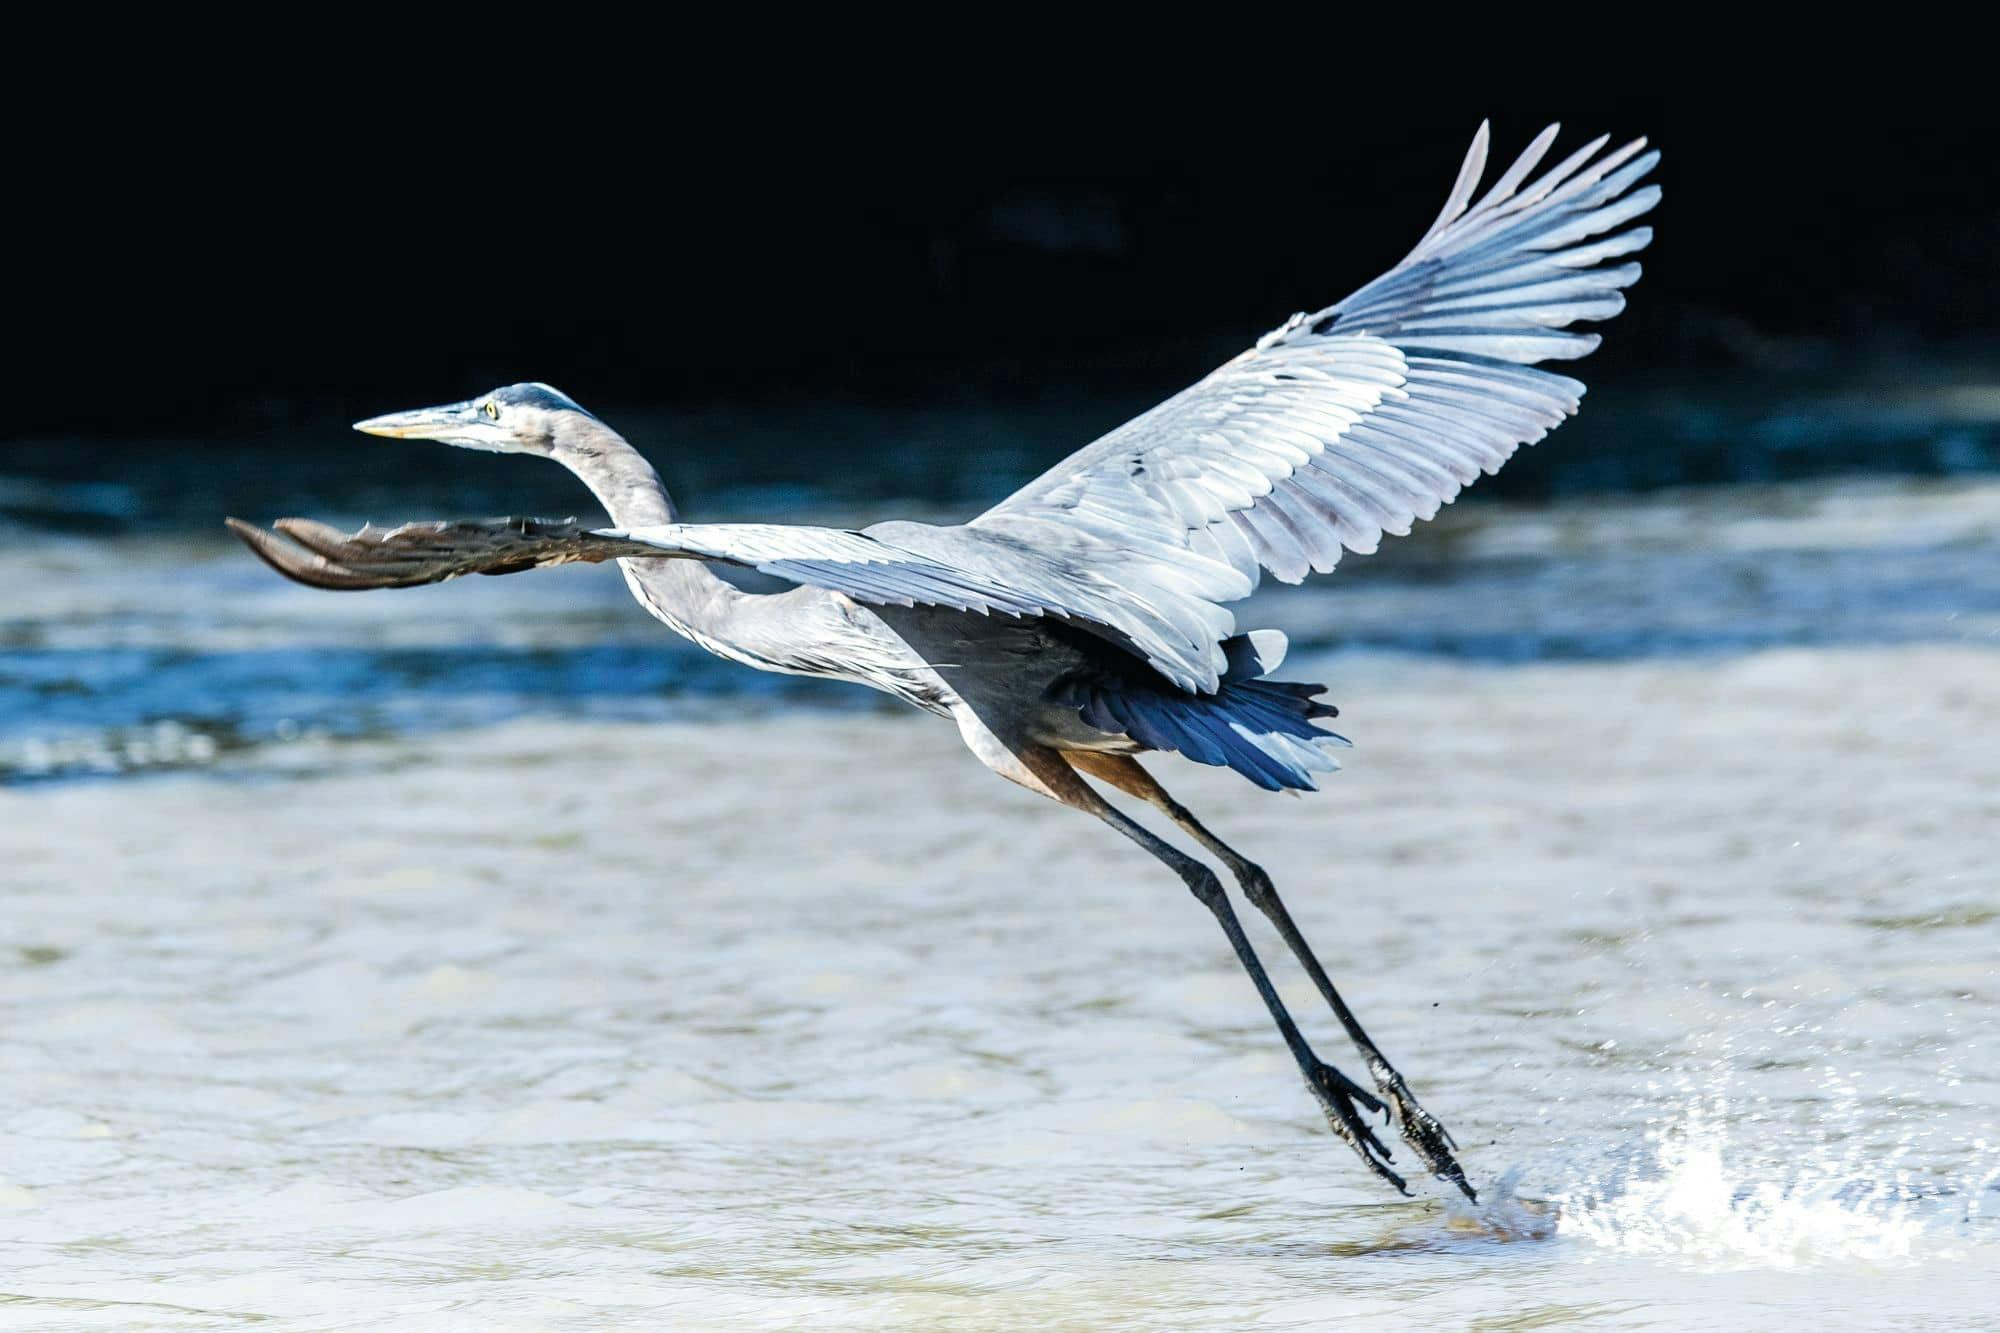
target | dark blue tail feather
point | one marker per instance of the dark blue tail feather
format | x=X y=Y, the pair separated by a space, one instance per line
x=1262 y=729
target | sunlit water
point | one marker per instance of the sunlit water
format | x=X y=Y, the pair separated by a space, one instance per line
x=475 y=958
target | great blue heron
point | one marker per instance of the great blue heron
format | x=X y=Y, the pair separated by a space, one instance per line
x=1081 y=621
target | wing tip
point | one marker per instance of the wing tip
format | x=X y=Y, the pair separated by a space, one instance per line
x=298 y=563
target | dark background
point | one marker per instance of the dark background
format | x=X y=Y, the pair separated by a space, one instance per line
x=884 y=295
x=225 y=271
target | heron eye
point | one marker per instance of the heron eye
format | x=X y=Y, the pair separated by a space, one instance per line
x=492 y=411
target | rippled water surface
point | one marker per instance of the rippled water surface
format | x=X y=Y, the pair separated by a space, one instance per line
x=479 y=957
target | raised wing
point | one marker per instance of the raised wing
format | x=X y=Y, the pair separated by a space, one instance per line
x=1358 y=419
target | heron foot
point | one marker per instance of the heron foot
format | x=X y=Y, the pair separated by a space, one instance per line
x=1341 y=1098
x=1431 y=1141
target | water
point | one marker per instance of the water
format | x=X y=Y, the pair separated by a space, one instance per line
x=173 y=650
x=477 y=957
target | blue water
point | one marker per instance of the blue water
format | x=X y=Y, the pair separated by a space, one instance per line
x=135 y=636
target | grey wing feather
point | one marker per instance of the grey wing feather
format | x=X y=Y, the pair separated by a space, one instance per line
x=859 y=564
x=1339 y=426
x=901 y=564
x=851 y=562
x=1361 y=418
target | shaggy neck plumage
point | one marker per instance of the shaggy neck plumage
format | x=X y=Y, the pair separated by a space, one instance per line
x=684 y=594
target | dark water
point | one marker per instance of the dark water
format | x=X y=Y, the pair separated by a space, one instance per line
x=1935 y=416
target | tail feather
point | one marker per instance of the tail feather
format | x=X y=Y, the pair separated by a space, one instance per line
x=1262 y=729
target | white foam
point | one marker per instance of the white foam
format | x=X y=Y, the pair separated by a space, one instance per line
x=1696 y=1193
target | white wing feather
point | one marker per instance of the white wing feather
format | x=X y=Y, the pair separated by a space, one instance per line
x=1363 y=417
x=1337 y=427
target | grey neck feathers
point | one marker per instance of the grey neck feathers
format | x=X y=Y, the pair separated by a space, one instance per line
x=617 y=474
x=685 y=594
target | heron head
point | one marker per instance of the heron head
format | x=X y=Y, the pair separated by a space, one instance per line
x=518 y=419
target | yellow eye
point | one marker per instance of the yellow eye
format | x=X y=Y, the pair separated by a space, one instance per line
x=492 y=411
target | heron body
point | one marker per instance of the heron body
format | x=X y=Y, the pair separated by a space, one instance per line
x=1084 y=620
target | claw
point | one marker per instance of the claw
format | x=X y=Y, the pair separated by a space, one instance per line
x=1430 y=1140
x=1337 y=1095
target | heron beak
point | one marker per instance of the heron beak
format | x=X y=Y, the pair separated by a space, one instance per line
x=428 y=423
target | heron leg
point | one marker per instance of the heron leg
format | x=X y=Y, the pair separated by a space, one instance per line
x=1420 y=1129
x=1339 y=1096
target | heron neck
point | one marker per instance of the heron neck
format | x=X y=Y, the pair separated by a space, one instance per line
x=685 y=594
x=617 y=474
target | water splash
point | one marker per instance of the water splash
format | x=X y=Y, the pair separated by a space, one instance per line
x=1503 y=1213
x=1696 y=1192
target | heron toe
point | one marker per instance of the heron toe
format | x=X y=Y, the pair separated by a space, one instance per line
x=1429 y=1139
x=1341 y=1098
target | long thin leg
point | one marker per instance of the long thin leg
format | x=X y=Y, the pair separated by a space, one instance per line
x=1337 y=1094
x=1420 y=1129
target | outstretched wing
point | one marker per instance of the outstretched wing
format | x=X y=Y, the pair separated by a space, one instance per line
x=851 y=562
x=417 y=553
x=1360 y=418
x=891 y=564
